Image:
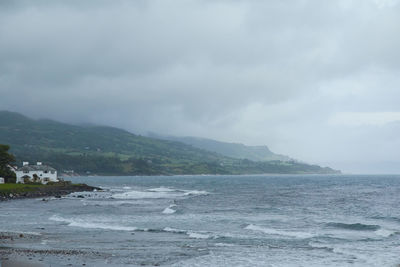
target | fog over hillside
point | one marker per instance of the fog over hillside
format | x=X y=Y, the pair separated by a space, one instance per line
x=316 y=80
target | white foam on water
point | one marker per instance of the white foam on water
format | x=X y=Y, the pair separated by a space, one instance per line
x=102 y=226
x=145 y=194
x=271 y=231
x=169 y=209
x=198 y=235
x=385 y=232
x=158 y=193
x=191 y=234
x=57 y=218
x=126 y=187
x=162 y=189
x=91 y=225
x=173 y=230
x=196 y=193
x=91 y=195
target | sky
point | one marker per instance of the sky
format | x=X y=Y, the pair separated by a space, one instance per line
x=316 y=80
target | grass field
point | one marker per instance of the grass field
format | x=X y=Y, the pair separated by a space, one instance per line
x=18 y=188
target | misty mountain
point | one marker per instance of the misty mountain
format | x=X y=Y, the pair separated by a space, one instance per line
x=234 y=150
x=107 y=150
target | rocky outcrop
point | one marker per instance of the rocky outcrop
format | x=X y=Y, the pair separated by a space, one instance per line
x=47 y=191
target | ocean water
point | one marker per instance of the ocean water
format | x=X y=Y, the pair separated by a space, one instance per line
x=311 y=220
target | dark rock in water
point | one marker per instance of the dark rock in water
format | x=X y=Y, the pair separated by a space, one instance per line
x=58 y=196
x=80 y=196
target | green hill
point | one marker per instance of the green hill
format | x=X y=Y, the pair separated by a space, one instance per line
x=234 y=150
x=107 y=150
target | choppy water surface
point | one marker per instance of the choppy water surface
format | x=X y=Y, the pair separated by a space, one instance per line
x=222 y=220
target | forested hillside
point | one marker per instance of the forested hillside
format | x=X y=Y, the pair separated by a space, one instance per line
x=107 y=150
x=234 y=150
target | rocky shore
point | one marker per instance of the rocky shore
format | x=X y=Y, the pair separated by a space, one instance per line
x=56 y=190
x=16 y=251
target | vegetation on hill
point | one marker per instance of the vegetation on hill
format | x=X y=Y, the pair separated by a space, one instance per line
x=234 y=150
x=112 y=151
x=6 y=159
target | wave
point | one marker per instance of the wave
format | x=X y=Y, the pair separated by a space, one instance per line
x=102 y=226
x=198 y=235
x=158 y=193
x=361 y=230
x=110 y=203
x=162 y=189
x=355 y=226
x=108 y=226
x=92 y=195
x=91 y=225
x=191 y=234
x=144 y=194
x=173 y=230
x=169 y=209
x=196 y=193
x=385 y=232
x=271 y=231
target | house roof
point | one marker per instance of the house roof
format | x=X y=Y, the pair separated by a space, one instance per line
x=36 y=168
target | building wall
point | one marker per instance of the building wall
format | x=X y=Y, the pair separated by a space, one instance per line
x=51 y=176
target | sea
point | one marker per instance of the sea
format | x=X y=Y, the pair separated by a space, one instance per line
x=209 y=220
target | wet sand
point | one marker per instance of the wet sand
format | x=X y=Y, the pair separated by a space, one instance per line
x=16 y=251
x=13 y=263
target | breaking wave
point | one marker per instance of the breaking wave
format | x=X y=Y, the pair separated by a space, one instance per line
x=191 y=234
x=158 y=193
x=162 y=189
x=271 y=231
x=91 y=225
x=169 y=209
x=145 y=194
x=110 y=226
x=355 y=226
x=196 y=193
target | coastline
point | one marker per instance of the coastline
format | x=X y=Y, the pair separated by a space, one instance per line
x=16 y=251
x=16 y=247
x=23 y=192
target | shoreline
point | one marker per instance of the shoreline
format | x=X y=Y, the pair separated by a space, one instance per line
x=40 y=191
x=16 y=251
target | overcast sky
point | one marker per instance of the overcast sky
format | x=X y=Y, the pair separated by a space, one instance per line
x=316 y=80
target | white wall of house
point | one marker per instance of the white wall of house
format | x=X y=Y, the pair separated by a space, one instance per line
x=45 y=176
x=1 y=180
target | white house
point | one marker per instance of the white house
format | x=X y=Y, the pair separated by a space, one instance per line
x=36 y=173
x=1 y=180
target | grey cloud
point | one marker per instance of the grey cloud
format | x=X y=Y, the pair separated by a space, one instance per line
x=258 y=72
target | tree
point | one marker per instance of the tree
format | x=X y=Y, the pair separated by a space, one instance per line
x=5 y=160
